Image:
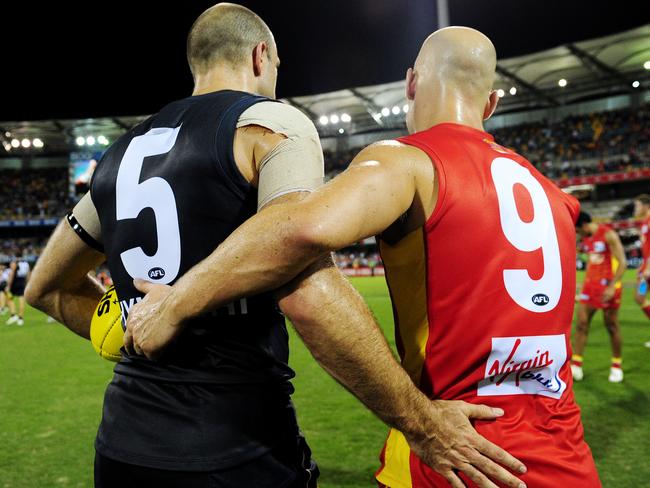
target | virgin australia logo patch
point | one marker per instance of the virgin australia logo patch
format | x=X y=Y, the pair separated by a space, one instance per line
x=525 y=365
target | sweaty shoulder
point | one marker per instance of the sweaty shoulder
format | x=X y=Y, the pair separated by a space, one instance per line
x=406 y=160
x=392 y=152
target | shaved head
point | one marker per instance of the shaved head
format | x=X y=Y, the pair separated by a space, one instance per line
x=460 y=56
x=225 y=33
x=453 y=77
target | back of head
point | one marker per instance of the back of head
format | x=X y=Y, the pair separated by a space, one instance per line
x=225 y=33
x=455 y=65
x=460 y=57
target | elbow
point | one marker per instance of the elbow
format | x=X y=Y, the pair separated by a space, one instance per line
x=34 y=295
x=301 y=301
x=313 y=239
x=296 y=308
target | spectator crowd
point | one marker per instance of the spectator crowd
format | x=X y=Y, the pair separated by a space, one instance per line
x=33 y=193
x=600 y=142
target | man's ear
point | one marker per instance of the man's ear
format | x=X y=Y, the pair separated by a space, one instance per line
x=411 y=82
x=491 y=105
x=260 y=56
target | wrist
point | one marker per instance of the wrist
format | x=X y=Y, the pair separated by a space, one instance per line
x=420 y=418
x=173 y=309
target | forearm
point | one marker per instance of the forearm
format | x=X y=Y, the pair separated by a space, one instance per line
x=74 y=306
x=620 y=270
x=60 y=285
x=618 y=253
x=244 y=266
x=338 y=328
x=274 y=246
x=621 y=266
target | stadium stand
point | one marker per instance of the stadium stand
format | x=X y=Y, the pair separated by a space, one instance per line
x=33 y=193
x=595 y=143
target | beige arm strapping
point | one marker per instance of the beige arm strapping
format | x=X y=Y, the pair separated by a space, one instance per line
x=296 y=164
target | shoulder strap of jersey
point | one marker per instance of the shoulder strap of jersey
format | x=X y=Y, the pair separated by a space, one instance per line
x=225 y=136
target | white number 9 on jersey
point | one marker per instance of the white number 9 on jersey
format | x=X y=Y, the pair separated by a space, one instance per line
x=540 y=295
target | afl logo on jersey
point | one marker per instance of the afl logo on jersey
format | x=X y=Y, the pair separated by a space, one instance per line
x=600 y=246
x=156 y=273
x=540 y=299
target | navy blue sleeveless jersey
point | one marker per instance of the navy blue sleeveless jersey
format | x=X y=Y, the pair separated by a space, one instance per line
x=167 y=193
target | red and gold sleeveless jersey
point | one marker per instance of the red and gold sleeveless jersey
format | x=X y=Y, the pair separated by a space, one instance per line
x=601 y=263
x=483 y=298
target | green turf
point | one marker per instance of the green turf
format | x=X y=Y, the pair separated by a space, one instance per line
x=52 y=383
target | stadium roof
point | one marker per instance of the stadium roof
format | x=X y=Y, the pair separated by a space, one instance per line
x=592 y=69
x=595 y=68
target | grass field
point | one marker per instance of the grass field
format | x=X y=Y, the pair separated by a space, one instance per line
x=52 y=384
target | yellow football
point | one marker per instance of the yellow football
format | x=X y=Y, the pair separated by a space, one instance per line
x=106 y=333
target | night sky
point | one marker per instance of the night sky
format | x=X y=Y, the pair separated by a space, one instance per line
x=128 y=58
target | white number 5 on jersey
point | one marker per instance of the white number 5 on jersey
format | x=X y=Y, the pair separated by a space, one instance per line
x=132 y=197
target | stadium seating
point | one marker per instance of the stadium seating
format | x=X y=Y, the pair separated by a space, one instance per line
x=33 y=193
x=598 y=143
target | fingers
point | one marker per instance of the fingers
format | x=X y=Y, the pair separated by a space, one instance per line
x=496 y=472
x=128 y=341
x=500 y=456
x=479 y=478
x=454 y=480
x=143 y=286
x=482 y=412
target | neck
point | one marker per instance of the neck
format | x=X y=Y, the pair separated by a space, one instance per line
x=222 y=79
x=450 y=106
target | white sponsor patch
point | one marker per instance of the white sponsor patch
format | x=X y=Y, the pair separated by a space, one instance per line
x=525 y=365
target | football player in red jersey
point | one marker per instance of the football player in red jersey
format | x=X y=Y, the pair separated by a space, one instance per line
x=642 y=212
x=601 y=290
x=479 y=249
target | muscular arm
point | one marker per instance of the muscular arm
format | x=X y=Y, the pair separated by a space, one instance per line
x=614 y=243
x=60 y=285
x=338 y=329
x=278 y=243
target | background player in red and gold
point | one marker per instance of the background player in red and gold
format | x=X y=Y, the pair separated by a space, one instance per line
x=642 y=212
x=601 y=290
x=479 y=249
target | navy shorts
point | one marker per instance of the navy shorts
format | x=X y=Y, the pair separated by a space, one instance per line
x=279 y=468
x=18 y=287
